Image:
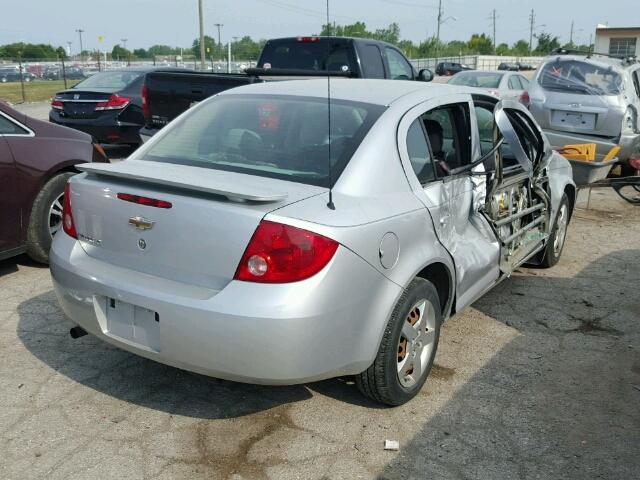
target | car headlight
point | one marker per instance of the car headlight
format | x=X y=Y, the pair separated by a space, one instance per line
x=629 y=121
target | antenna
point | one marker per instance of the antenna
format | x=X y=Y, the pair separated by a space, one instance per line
x=330 y=203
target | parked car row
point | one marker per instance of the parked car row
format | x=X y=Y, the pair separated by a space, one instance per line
x=576 y=98
x=515 y=66
x=10 y=74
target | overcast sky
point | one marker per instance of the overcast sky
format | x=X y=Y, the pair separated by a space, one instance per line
x=174 y=22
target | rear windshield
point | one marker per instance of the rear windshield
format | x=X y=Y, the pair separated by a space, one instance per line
x=477 y=79
x=115 y=79
x=309 y=54
x=269 y=136
x=579 y=77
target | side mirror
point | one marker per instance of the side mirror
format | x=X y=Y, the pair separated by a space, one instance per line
x=425 y=75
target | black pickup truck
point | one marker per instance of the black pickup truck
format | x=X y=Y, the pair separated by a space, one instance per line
x=167 y=94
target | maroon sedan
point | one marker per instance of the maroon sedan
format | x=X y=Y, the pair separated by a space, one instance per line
x=36 y=160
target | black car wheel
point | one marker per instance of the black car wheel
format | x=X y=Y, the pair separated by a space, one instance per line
x=46 y=217
x=407 y=349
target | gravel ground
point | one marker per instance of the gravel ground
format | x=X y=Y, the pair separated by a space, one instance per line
x=538 y=379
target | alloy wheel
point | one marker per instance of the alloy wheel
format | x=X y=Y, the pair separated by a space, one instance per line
x=416 y=343
x=55 y=215
x=561 y=229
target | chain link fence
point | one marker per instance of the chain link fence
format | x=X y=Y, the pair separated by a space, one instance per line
x=36 y=80
x=477 y=62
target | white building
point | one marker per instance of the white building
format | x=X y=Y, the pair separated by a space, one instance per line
x=623 y=42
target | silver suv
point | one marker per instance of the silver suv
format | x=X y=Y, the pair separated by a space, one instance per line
x=589 y=98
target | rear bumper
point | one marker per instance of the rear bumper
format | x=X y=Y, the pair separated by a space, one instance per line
x=326 y=326
x=629 y=144
x=108 y=130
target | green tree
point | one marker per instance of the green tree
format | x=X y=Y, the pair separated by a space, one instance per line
x=481 y=44
x=156 y=50
x=503 y=49
x=141 y=53
x=61 y=52
x=120 y=53
x=211 y=48
x=546 y=43
x=520 y=48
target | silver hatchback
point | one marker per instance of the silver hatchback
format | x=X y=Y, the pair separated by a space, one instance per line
x=269 y=235
x=589 y=99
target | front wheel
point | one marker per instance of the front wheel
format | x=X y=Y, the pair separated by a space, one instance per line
x=46 y=217
x=558 y=235
x=407 y=349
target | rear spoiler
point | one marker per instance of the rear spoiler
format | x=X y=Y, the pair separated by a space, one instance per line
x=234 y=186
x=297 y=72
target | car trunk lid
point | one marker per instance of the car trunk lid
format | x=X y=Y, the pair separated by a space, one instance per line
x=81 y=104
x=199 y=240
x=579 y=113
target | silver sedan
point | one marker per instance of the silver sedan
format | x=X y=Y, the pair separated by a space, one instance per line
x=269 y=235
x=502 y=85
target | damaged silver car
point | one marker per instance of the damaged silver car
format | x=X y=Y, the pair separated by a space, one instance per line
x=589 y=98
x=264 y=237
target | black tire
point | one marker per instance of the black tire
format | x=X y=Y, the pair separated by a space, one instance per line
x=39 y=236
x=551 y=254
x=380 y=381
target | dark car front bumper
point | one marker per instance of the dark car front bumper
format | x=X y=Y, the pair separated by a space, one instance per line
x=105 y=129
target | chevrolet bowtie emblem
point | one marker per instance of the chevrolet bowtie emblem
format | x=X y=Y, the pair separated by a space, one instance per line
x=141 y=223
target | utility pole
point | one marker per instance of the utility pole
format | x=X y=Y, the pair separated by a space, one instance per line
x=202 y=59
x=532 y=22
x=494 y=30
x=219 y=26
x=571 y=34
x=438 y=30
x=69 y=49
x=80 y=32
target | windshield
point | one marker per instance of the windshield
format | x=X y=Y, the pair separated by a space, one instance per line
x=308 y=54
x=116 y=80
x=270 y=136
x=477 y=79
x=579 y=77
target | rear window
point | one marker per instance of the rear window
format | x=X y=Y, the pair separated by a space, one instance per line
x=309 y=54
x=115 y=80
x=579 y=77
x=477 y=79
x=270 y=136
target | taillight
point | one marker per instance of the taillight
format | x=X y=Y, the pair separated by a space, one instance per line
x=280 y=253
x=524 y=98
x=308 y=39
x=115 y=102
x=144 y=94
x=149 y=202
x=57 y=104
x=67 y=215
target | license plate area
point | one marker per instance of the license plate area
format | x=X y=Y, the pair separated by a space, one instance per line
x=134 y=324
x=79 y=110
x=562 y=118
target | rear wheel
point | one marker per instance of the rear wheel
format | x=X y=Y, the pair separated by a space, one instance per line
x=558 y=235
x=46 y=217
x=407 y=349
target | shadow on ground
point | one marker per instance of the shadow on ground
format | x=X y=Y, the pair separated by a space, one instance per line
x=561 y=399
x=10 y=265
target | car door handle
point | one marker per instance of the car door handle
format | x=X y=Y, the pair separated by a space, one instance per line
x=444 y=219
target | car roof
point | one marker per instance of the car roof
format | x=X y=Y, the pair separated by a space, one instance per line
x=598 y=60
x=377 y=92
x=354 y=39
